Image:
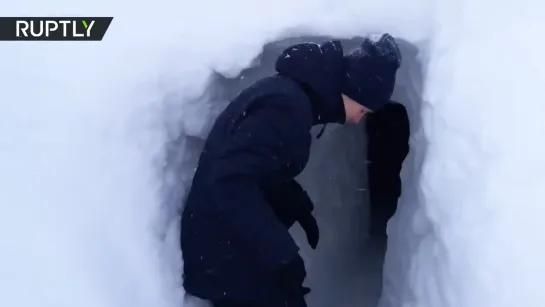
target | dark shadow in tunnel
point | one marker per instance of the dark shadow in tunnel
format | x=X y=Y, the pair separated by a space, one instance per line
x=346 y=269
x=387 y=147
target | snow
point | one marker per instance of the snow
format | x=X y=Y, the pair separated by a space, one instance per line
x=98 y=142
x=475 y=239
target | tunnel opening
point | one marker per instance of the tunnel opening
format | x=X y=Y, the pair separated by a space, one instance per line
x=353 y=198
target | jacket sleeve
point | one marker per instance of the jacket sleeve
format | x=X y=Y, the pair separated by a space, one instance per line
x=262 y=142
x=288 y=200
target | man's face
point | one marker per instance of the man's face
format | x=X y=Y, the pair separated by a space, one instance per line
x=354 y=111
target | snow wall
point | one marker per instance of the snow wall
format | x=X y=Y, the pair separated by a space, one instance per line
x=98 y=142
x=469 y=229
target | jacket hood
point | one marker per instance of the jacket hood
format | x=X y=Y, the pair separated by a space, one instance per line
x=319 y=71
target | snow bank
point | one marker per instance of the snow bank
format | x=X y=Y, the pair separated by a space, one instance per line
x=476 y=239
x=88 y=129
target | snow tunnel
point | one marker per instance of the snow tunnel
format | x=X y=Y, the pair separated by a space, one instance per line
x=346 y=269
x=83 y=223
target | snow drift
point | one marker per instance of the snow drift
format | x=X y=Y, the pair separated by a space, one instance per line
x=475 y=238
x=98 y=142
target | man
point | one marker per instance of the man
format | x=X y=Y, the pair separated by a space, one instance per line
x=235 y=242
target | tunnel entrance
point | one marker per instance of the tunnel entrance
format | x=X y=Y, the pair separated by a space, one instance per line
x=353 y=179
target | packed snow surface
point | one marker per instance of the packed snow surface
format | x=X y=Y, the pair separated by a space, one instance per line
x=475 y=237
x=98 y=142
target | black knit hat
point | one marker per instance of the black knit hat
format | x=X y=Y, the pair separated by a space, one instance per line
x=370 y=71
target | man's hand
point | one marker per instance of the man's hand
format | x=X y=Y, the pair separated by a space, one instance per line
x=292 y=204
x=291 y=279
x=310 y=226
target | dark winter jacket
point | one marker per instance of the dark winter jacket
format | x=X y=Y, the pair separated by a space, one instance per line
x=233 y=242
x=292 y=204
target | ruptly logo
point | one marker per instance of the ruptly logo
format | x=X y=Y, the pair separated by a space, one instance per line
x=53 y=29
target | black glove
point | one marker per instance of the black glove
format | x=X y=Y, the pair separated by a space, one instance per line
x=310 y=226
x=291 y=277
x=307 y=221
x=292 y=204
x=296 y=301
